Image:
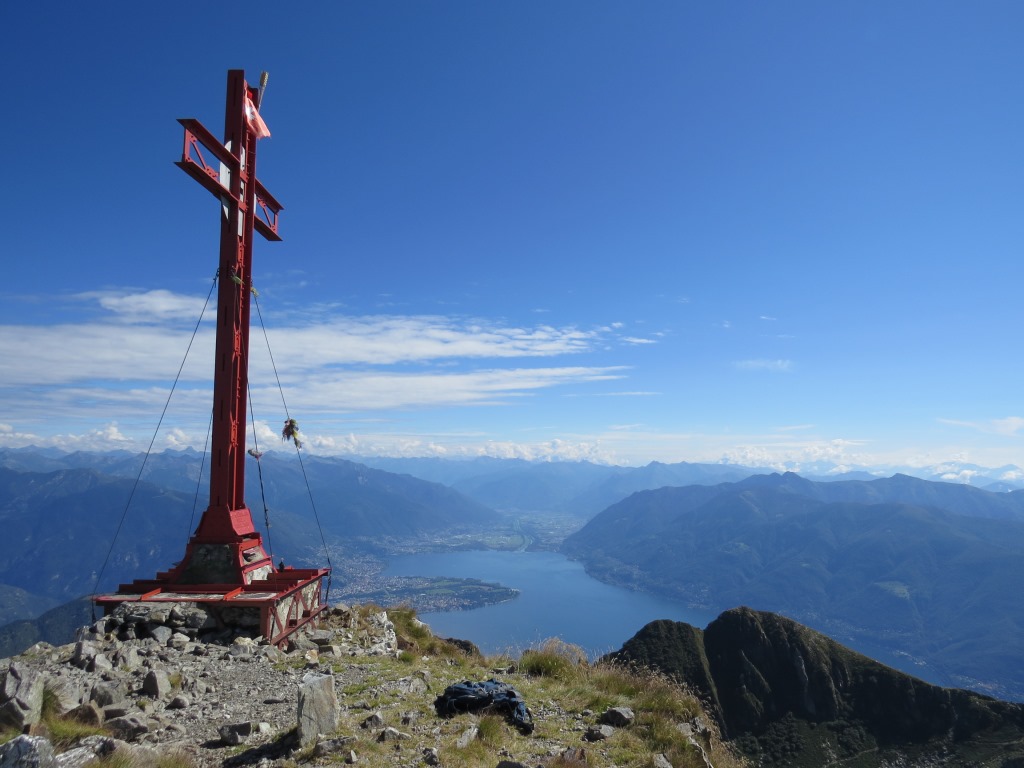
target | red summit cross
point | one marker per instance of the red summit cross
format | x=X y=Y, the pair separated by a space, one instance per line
x=225 y=567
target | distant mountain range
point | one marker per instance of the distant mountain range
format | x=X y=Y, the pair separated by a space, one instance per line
x=788 y=696
x=923 y=574
x=926 y=570
x=60 y=523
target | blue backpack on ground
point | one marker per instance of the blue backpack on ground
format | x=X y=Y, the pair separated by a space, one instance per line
x=492 y=694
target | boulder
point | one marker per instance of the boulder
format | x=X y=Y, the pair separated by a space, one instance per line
x=88 y=714
x=466 y=737
x=85 y=651
x=88 y=751
x=318 y=707
x=620 y=717
x=599 y=733
x=27 y=752
x=233 y=734
x=160 y=633
x=392 y=734
x=21 y=697
x=332 y=746
x=127 y=728
x=157 y=684
x=107 y=693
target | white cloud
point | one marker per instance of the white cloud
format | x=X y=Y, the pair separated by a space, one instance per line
x=105 y=438
x=635 y=340
x=130 y=347
x=156 y=306
x=1009 y=426
x=65 y=382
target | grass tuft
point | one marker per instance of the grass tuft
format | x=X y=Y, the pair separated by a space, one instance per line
x=556 y=659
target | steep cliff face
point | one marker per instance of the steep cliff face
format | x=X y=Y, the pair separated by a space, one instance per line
x=773 y=683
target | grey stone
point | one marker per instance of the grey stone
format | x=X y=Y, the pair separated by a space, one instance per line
x=430 y=756
x=599 y=733
x=233 y=734
x=660 y=761
x=574 y=755
x=392 y=734
x=332 y=746
x=21 y=697
x=157 y=684
x=301 y=643
x=127 y=728
x=85 y=651
x=466 y=737
x=87 y=713
x=127 y=658
x=270 y=653
x=179 y=641
x=620 y=717
x=181 y=701
x=318 y=707
x=107 y=693
x=352 y=757
x=87 y=751
x=412 y=685
x=100 y=663
x=68 y=693
x=376 y=720
x=160 y=633
x=116 y=710
x=27 y=752
x=410 y=718
x=320 y=636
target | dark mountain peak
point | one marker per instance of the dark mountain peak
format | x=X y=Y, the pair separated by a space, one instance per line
x=765 y=676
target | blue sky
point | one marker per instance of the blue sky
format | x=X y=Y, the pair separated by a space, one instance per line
x=772 y=233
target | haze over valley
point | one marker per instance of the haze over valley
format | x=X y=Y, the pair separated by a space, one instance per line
x=921 y=571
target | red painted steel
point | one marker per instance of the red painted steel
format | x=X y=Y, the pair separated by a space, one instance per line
x=224 y=560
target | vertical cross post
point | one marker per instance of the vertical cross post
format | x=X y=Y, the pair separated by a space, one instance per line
x=227 y=520
x=225 y=569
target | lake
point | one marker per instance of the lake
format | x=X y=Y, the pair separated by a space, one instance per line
x=557 y=599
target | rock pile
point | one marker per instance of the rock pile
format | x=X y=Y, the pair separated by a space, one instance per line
x=169 y=677
x=165 y=686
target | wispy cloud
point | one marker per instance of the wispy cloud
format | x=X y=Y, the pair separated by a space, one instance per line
x=135 y=342
x=156 y=306
x=637 y=340
x=1009 y=426
x=120 y=365
x=776 y=366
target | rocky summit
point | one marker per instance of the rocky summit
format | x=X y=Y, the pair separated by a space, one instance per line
x=789 y=696
x=162 y=685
